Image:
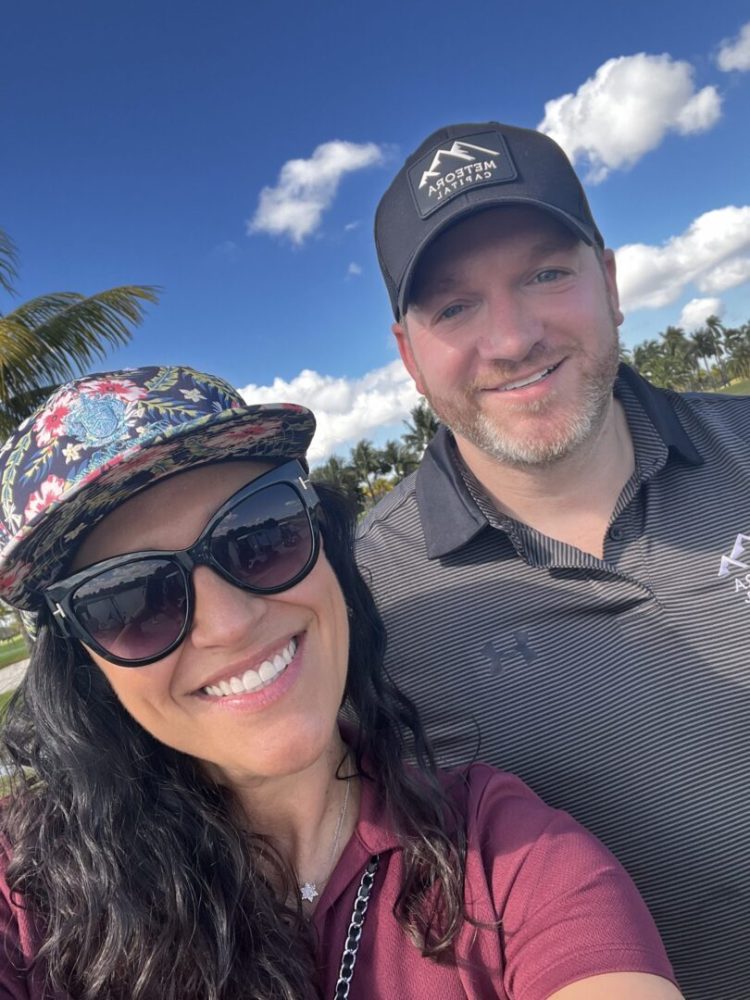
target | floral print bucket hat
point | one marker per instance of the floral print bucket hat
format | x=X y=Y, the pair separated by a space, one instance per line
x=102 y=438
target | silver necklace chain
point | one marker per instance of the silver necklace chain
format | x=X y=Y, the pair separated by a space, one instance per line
x=309 y=890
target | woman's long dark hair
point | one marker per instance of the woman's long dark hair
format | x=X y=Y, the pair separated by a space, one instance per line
x=134 y=866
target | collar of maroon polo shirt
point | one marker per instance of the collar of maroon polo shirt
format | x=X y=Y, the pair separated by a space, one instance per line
x=450 y=517
x=374 y=833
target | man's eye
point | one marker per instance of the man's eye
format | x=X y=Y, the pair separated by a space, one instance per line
x=451 y=311
x=550 y=274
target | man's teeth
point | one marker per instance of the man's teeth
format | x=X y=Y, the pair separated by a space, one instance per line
x=529 y=381
x=254 y=680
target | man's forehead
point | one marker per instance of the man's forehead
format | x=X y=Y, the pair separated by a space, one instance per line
x=512 y=222
x=534 y=233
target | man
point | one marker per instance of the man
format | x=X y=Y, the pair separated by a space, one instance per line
x=566 y=578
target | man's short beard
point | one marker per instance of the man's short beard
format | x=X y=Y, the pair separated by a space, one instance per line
x=499 y=443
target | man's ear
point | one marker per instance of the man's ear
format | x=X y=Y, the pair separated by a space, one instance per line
x=407 y=355
x=610 y=277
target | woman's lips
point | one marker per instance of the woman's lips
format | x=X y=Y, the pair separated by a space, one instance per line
x=256 y=678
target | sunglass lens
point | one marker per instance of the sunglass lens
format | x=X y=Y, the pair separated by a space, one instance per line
x=135 y=611
x=266 y=541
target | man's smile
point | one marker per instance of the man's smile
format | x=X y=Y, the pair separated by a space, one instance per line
x=530 y=379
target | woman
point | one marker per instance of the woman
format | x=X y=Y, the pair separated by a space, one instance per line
x=188 y=816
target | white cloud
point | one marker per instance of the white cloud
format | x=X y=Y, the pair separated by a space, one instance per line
x=354 y=270
x=713 y=254
x=346 y=409
x=730 y=274
x=351 y=226
x=306 y=188
x=626 y=108
x=734 y=53
x=695 y=311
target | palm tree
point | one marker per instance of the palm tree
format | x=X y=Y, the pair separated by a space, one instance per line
x=703 y=345
x=681 y=363
x=399 y=459
x=54 y=337
x=733 y=335
x=8 y=258
x=716 y=330
x=336 y=472
x=738 y=340
x=647 y=358
x=422 y=428
x=368 y=465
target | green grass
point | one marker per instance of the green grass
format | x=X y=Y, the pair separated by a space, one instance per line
x=12 y=650
x=741 y=388
x=5 y=697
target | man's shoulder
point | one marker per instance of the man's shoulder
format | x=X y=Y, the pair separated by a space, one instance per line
x=707 y=418
x=716 y=411
x=721 y=401
x=390 y=542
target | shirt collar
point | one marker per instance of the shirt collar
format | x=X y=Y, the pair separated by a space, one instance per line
x=658 y=405
x=372 y=835
x=374 y=830
x=449 y=515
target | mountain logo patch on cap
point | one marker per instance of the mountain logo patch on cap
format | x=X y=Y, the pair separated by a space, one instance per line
x=449 y=169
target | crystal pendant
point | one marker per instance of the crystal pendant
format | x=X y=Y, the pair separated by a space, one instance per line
x=308 y=891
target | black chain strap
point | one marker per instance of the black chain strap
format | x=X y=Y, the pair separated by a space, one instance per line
x=353 y=935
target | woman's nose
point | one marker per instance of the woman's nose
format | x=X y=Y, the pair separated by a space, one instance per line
x=223 y=614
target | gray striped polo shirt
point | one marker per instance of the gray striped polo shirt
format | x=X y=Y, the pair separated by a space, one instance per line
x=618 y=688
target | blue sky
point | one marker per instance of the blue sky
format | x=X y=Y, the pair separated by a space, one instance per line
x=150 y=142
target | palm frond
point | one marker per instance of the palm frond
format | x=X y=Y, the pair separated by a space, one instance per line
x=8 y=261
x=18 y=406
x=54 y=337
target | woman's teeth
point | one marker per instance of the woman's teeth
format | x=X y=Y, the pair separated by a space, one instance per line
x=254 y=680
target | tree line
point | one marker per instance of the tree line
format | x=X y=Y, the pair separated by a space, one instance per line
x=369 y=472
x=708 y=359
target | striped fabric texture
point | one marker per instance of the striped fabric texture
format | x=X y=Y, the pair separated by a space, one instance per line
x=619 y=688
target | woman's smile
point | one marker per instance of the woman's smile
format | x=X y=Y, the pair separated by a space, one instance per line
x=254 y=679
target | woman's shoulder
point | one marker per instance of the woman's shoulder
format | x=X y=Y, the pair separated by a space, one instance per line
x=522 y=843
x=6 y=849
x=567 y=908
x=487 y=796
x=22 y=976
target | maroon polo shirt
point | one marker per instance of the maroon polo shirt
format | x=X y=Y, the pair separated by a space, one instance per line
x=562 y=907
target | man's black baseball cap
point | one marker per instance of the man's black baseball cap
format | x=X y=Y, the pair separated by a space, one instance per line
x=462 y=169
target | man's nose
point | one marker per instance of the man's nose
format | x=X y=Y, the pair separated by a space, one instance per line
x=224 y=615
x=510 y=328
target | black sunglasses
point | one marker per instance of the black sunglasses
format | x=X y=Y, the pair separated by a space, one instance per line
x=135 y=608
